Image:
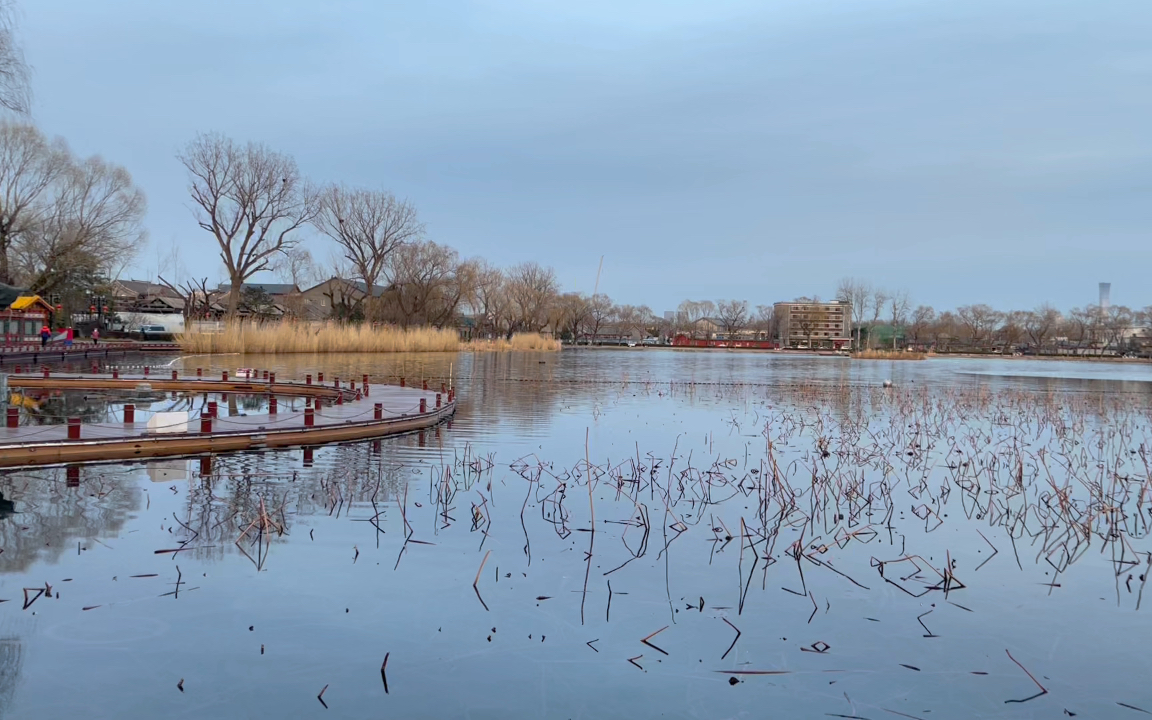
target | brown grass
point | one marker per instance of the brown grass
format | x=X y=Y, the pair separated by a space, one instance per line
x=888 y=355
x=333 y=338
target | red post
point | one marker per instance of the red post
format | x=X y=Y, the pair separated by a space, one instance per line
x=307 y=379
x=115 y=374
x=336 y=382
x=129 y=413
x=437 y=401
x=451 y=395
x=18 y=370
x=443 y=388
x=224 y=376
x=402 y=382
x=213 y=409
x=199 y=372
x=340 y=399
x=265 y=374
x=73 y=428
x=320 y=377
x=309 y=417
x=365 y=384
x=205 y=422
x=13 y=418
x=423 y=405
x=146 y=371
x=175 y=375
x=271 y=404
x=45 y=371
x=379 y=410
x=95 y=369
x=425 y=385
x=272 y=378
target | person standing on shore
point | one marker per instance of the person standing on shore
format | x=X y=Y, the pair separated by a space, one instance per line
x=95 y=336
x=45 y=334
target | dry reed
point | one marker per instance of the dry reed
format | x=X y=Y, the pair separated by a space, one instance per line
x=888 y=355
x=274 y=338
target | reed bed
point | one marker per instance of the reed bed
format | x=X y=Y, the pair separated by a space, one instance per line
x=274 y=338
x=888 y=355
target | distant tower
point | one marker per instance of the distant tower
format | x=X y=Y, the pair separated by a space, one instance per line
x=1105 y=295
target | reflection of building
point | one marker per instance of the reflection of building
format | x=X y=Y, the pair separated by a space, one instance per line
x=806 y=324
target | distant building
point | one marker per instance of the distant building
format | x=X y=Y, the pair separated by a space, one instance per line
x=814 y=325
x=22 y=321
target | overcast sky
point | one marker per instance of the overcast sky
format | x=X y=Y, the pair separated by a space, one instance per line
x=992 y=151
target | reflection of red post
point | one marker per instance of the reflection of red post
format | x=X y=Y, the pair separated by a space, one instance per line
x=213 y=409
x=72 y=476
x=73 y=428
x=437 y=401
x=13 y=418
x=129 y=413
x=271 y=404
x=307 y=457
x=205 y=422
x=379 y=408
x=206 y=466
x=423 y=405
x=309 y=417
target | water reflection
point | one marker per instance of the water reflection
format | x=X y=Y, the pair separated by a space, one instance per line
x=890 y=541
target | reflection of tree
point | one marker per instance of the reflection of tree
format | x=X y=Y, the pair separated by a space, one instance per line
x=254 y=499
x=49 y=516
x=11 y=660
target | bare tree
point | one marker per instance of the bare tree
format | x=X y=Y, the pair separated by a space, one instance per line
x=732 y=314
x=979 y=321
x=15 y=76
x=600 y=311
x=878 y=301
x=368 y=225
x=531 y=288
x=1040 y=323
x=922 y=319
x=30 y=167
x=898 y=312
x=490 y=298
x=297 y=267
x=859 y=294
x=94 y=227
x=429 y=283
x=251 y=198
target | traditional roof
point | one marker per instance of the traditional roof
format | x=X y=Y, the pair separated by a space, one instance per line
x=28 y=302
x=270 y=288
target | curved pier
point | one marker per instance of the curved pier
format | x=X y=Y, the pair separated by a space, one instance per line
x=334 y=414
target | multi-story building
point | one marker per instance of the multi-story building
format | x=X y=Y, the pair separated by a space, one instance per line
x=804 y=324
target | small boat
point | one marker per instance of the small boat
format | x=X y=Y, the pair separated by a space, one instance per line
x=246 y=374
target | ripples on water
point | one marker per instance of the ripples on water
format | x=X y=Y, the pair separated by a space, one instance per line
x=878 y=550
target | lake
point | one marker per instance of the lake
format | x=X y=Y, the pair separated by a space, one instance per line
x=613 y=533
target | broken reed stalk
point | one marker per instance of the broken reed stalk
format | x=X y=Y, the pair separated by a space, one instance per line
x=1030 y=675
x=476 y=582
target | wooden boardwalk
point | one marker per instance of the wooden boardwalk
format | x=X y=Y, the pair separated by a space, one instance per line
x=385 y=410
